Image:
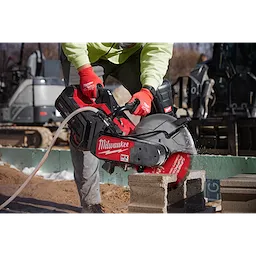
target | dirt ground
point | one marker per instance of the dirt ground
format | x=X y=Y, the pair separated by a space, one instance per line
x=47 y=196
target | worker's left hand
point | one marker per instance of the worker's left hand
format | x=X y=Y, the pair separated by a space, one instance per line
x=145 y=97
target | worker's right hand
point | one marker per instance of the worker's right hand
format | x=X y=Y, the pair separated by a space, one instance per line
x=89 y=81
x=144 y=97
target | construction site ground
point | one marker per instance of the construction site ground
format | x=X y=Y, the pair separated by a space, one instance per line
x=49 y=196
x=42 y=197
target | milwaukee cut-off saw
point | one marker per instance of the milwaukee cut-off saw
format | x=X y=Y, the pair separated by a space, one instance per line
x=159 y=143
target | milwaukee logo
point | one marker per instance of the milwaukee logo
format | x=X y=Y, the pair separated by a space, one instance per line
x=106 y=144
x=167 y=109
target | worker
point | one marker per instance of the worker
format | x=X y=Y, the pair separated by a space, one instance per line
x=140 y=67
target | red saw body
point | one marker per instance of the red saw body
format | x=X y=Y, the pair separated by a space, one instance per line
x=160 y=143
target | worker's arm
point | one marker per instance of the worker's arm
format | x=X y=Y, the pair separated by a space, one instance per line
x=77 y=54
x=154 y=64
x=155 y=59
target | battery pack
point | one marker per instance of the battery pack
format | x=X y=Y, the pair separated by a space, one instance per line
x=163 y=100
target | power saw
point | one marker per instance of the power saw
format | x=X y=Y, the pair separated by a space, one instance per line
x=159 y=143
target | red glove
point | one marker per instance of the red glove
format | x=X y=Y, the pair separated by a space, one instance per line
x=145 y=97
x=89 y=81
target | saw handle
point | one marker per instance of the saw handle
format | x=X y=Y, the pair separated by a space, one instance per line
x=131 y=106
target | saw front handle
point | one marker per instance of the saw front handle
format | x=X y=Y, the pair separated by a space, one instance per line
x=131 y=107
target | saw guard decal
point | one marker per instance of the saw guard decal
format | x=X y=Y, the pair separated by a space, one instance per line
x=113 y=149
x=177 y=163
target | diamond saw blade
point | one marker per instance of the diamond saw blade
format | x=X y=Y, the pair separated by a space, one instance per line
x=181 y=145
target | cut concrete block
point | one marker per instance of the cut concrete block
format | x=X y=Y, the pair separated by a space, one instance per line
x=151 y=193
x=148 y=192
x=238 y=194
x=190 y=196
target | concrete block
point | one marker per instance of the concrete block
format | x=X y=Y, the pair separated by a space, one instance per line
x=148 y=192
x=240 y=180
x=238 y=194
x=153 y=193
x=133 y=208
x=190 y=196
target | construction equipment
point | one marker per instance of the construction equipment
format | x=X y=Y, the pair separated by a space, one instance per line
x=222 y=97
x=28 y=92
x=160 y=143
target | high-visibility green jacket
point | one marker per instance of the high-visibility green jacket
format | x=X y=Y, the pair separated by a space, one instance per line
x=154 y=57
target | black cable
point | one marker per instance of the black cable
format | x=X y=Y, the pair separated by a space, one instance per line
x=167 y=135
x=108 y=50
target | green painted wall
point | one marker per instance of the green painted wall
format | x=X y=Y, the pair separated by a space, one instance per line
x=216 y=167
x=219 y=167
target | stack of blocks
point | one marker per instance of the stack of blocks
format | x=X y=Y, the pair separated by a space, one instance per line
x=238 y=194
x=154 y=193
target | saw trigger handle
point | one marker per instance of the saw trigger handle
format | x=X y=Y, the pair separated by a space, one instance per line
x=131 y=106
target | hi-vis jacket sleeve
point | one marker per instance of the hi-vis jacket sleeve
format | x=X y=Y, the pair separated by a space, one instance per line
x=76 y=53
x=154 y=63
x=154 y=58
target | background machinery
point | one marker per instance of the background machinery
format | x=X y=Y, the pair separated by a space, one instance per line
x=221 y=94
x=220 y=98
x=28 y=117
